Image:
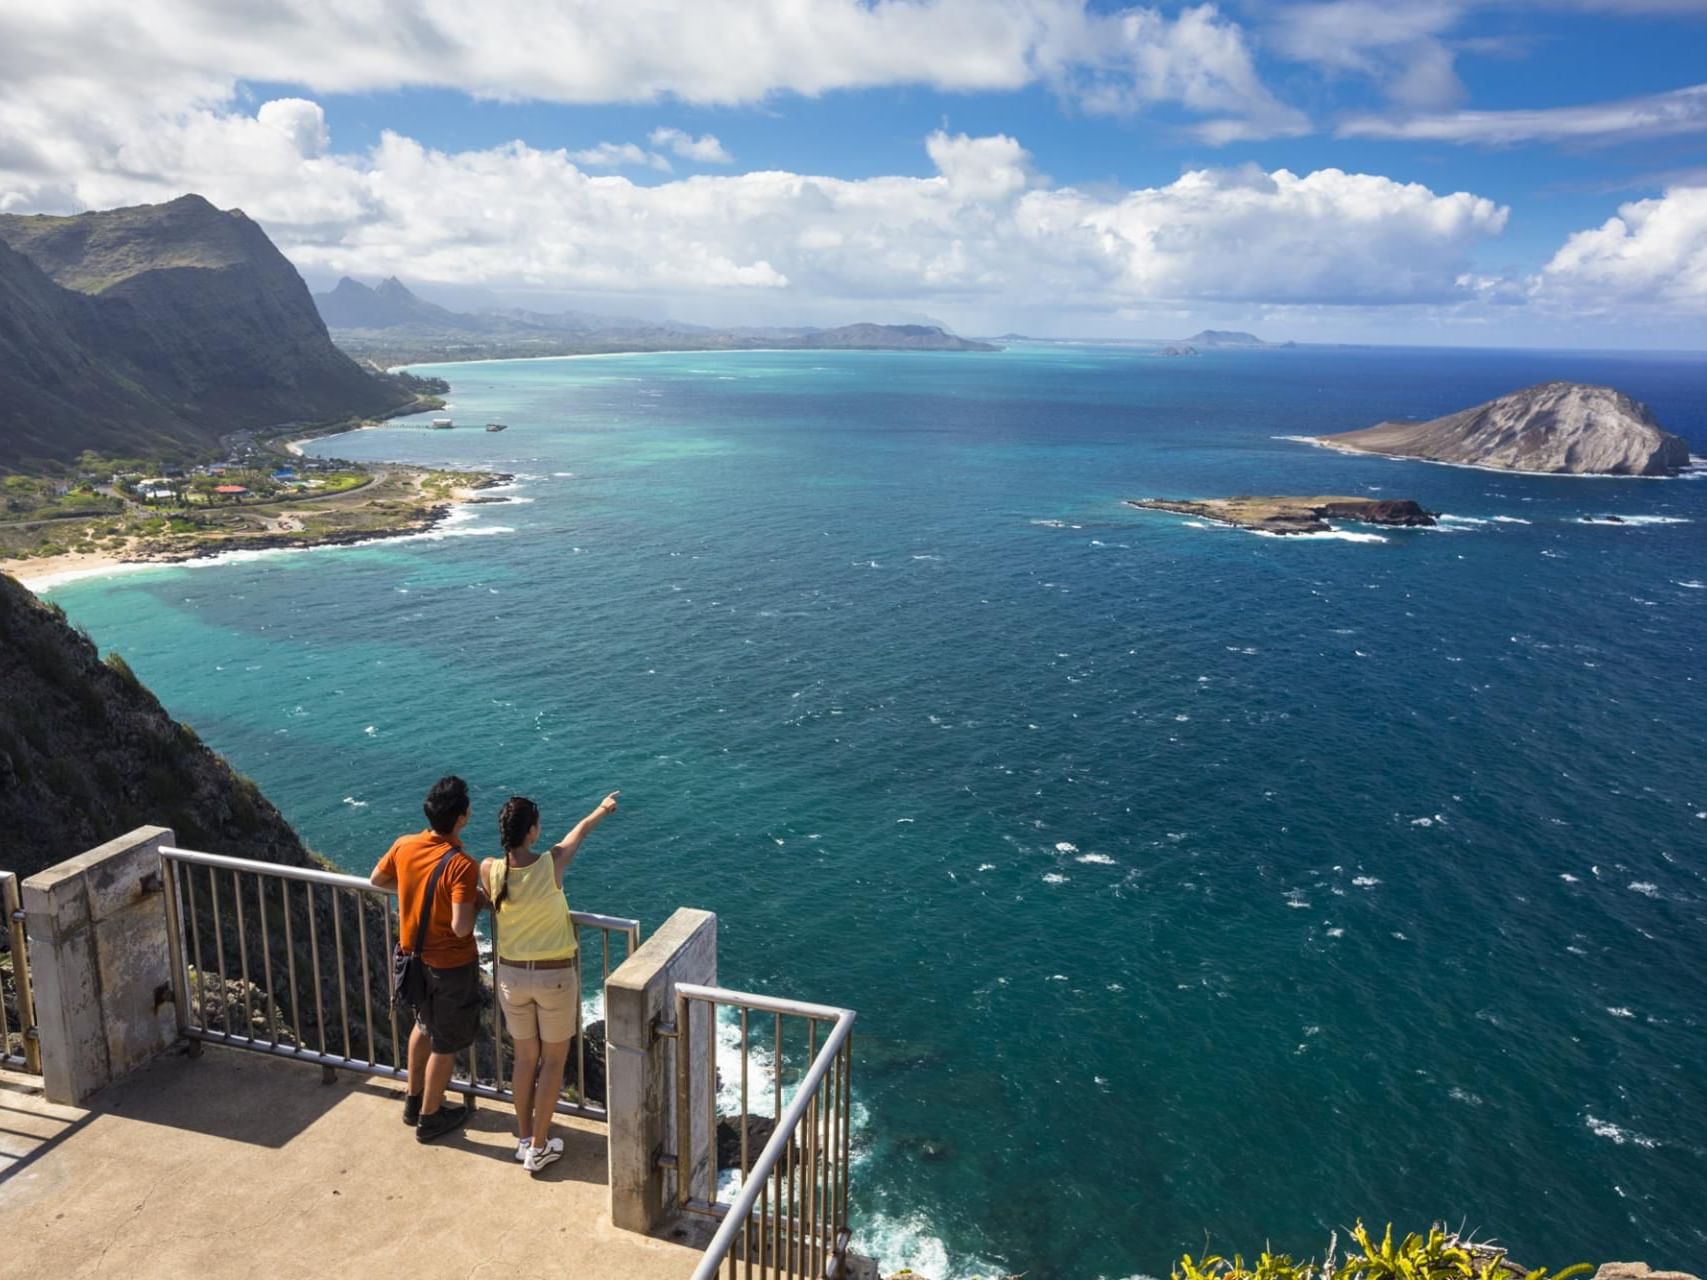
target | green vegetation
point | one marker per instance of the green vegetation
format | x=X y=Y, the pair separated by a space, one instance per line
x=1439 y=1255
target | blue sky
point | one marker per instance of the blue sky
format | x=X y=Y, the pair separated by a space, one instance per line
x=1045 y=165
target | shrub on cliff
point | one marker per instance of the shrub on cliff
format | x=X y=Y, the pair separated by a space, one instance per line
x=1439 y=1255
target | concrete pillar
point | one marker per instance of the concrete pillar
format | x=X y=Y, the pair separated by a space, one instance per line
x=640 y=1069
x=101 y=962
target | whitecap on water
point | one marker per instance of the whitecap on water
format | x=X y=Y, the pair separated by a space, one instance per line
x=1693 y=584
x=1054 y=877
x=354 y=803
x=1647 y=888
x=1365 y=882
x=1620 y=1011
x=1606 y=1129
x=1509 y=520
x=1064 y=847
x=1096 y=859
x=1463 y=520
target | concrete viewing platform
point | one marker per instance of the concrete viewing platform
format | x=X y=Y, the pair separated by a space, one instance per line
x=237 y=1164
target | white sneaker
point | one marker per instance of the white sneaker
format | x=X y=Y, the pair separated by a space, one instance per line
x=522 y=1146
x=539 y=1157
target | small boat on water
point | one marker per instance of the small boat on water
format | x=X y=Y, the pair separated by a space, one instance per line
x=497 y=426
x=441 y=424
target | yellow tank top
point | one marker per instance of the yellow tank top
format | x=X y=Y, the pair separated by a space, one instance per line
x=533 y=919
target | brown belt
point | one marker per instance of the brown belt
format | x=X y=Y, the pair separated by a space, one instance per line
x=538 y=964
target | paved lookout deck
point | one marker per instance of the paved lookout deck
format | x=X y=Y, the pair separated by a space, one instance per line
x=235 y=1164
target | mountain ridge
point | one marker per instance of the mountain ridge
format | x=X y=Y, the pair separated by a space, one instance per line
x=390 y=324
x=157 y=329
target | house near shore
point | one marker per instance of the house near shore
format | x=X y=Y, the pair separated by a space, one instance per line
x=234 y=492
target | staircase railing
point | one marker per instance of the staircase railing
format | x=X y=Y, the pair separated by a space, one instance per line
x=788 y=1212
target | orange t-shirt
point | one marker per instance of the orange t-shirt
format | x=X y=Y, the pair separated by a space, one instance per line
x=411 y=860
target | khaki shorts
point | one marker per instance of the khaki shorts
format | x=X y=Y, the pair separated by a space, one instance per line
x=541 y=1004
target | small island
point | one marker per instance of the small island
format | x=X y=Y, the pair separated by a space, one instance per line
x=1558 y=428
x=1178 y=349
x=1283 y=515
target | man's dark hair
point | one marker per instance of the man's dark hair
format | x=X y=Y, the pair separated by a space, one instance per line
x=446 y=802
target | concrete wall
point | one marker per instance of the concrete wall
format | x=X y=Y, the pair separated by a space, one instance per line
x=640 y=1066
x=100 y=958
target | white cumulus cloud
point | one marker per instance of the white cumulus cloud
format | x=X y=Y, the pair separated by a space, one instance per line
x=984 y=228
x=1653 y=252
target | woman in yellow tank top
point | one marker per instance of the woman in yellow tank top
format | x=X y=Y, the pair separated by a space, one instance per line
x=539 y=966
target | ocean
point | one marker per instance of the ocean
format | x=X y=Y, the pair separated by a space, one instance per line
x=1191 y=885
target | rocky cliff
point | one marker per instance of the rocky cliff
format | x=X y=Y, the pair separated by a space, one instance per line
x=1567 y=428
x=158 y=327
x=87 y=753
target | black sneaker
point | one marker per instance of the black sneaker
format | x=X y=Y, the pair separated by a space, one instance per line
x=412 y=1109
x=441 y=1122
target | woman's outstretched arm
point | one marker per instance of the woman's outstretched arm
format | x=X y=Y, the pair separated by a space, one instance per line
x=564 y=851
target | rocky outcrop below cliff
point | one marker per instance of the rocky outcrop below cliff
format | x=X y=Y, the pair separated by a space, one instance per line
x=1562 y=428
x=1283 y=515
x=158 y=329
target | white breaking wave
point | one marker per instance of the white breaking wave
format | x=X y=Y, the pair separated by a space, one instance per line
x=1606 y=1129
x=1646 y=888
x=1326 y=535
x=1615 y=519
x=1464 y=520
x=1064 y=847
x=1510 y=520
x=1096 y=859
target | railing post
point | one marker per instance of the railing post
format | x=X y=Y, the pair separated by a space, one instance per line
x=100 y=956
x=12 y=903
x=640 y=1069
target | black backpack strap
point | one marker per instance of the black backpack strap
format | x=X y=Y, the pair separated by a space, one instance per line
x=427 y=902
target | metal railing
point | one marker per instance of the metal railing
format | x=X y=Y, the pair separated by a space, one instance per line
x=789 y=1213
x=17 y=998
x=240 y=978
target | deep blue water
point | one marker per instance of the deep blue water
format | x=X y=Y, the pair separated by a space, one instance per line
x=1186 y=881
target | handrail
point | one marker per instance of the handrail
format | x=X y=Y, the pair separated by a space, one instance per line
x=339 y=880
x=331 y=1010
x=815 y=1215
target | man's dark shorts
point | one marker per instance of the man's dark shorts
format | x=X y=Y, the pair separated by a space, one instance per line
x=451 y=1011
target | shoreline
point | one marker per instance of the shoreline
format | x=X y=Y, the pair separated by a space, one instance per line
x=1697 y=468
x=43 y=574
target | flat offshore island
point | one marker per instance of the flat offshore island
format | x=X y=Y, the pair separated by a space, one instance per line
x=1285 y=515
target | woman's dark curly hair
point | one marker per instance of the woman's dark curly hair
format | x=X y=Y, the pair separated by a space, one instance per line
x=515 y=820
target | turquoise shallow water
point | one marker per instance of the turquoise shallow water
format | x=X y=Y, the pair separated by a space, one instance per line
x=1186 y=881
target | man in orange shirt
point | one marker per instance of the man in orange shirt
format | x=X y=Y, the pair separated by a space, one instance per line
x=448 y=1018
